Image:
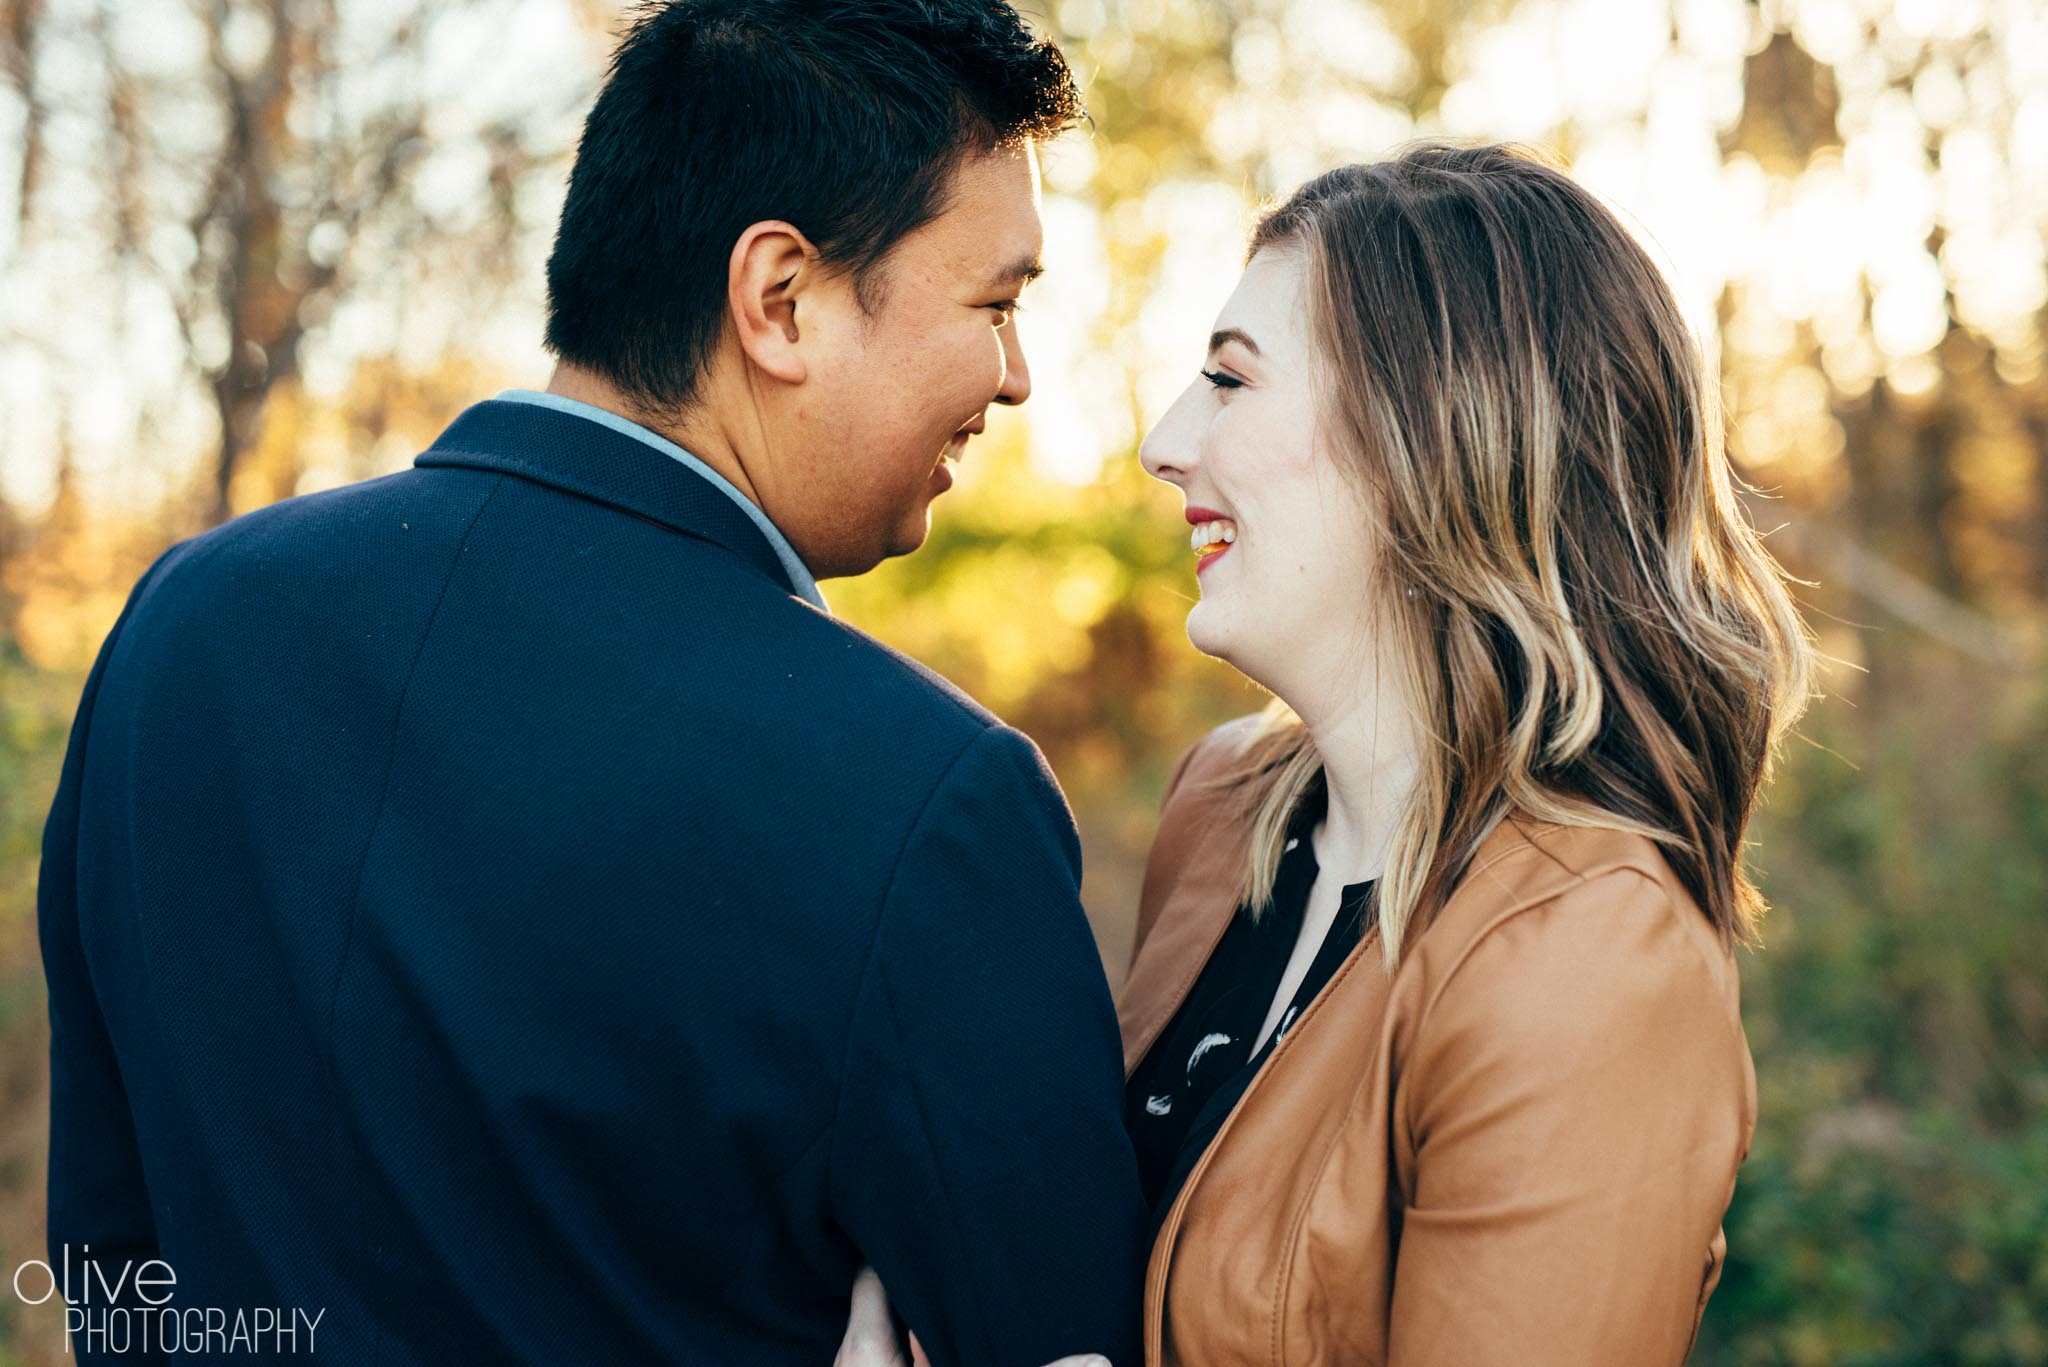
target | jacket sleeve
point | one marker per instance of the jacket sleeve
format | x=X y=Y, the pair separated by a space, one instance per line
x=97 y=1193
x=978 y=1157
x=1578 y=1098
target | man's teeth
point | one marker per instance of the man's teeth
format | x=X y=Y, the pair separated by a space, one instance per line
x=1207 y=534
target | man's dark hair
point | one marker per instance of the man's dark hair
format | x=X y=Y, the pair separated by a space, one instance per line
x=845 y=118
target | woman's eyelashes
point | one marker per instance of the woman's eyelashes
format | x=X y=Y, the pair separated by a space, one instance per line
x=1004 y=311
x=1221 y=380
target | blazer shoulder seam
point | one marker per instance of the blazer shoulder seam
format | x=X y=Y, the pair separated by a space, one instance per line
x=867 y=966
x=867 y=970
x=362 y=867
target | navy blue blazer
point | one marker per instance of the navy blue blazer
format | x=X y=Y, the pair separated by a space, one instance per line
x=483 y=904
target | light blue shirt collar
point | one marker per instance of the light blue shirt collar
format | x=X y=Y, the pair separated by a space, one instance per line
x=799 y=574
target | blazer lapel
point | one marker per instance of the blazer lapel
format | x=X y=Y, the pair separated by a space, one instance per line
x=586 y=458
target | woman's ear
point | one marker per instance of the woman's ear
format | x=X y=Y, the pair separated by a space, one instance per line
x=773 y=267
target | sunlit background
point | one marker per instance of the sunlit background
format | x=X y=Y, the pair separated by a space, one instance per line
x=257 y=248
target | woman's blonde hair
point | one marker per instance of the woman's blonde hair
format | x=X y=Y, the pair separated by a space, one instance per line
x=1591 y=630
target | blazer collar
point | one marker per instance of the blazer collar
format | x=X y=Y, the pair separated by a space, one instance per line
x=581 y=457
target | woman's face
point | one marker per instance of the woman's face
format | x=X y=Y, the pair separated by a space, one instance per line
x=1285 y=571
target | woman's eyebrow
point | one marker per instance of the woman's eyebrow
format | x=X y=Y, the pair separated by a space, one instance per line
x=1237 y=335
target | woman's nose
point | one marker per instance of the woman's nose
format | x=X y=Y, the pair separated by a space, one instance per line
x=1169 y=449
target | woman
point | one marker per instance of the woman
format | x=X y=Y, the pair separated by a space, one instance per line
x=1432 y=1027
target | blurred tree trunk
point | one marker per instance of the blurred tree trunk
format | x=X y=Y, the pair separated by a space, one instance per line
x=2036 y=429
x=1902 y=483
x=18 y=21
x=1904 y=506
x=262 y=181
x=265 y=275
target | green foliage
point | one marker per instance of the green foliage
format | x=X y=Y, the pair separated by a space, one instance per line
x=35 y=720
x=1894 y=1209
x=35 y=715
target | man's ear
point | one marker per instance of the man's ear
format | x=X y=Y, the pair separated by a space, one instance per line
x=773 y=268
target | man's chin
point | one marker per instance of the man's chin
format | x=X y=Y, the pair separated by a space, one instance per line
x=912 y=534
x=851 y=563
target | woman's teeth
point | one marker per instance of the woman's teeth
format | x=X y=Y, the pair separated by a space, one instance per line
x=1208 y=535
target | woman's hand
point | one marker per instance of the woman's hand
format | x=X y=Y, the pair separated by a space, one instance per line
x=871 y=1338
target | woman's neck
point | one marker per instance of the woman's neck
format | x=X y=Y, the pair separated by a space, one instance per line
x=1368 y=748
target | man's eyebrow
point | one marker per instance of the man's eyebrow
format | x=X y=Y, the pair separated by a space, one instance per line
x=1024 y=270
x=1237 y=335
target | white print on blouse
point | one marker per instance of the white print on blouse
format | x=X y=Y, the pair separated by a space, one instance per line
x=1208 y=1042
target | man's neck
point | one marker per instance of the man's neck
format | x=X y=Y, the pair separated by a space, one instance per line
x=574 y=382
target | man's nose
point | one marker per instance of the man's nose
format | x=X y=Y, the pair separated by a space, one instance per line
x=1016 y=374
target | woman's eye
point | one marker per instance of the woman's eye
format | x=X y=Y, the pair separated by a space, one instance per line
x=1004 y=311
x=1222 y=381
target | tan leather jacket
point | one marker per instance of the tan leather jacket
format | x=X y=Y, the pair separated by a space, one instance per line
x=1516 y=1151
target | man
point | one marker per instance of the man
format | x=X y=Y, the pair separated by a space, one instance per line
x=496 y=907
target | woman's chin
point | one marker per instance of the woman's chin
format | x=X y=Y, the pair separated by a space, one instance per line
x=1208 y=632
x=1212 y=631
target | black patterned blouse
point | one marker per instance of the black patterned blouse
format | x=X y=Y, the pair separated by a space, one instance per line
x=1194 y=1073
